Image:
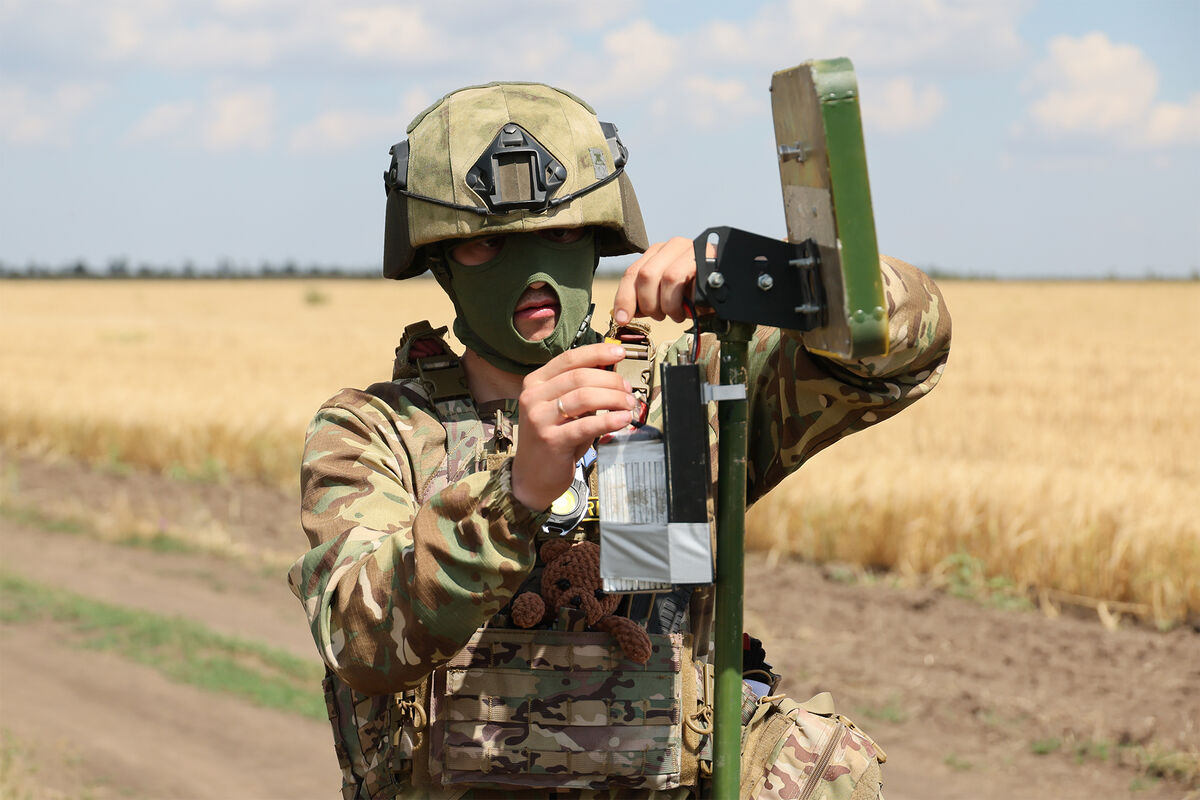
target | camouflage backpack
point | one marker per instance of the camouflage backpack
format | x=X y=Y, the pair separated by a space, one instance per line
x=797 y=751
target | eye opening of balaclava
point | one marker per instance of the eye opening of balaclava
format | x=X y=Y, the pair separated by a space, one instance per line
x=485 y=296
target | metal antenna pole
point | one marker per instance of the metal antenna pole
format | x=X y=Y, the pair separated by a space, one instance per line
x=732 y=427
x=827 y=204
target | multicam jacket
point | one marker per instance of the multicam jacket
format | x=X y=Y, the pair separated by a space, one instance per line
x=406 y=565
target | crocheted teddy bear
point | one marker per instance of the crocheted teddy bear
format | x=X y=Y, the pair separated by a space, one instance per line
x=572 y=578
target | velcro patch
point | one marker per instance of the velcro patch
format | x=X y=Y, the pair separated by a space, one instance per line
x=598 y=163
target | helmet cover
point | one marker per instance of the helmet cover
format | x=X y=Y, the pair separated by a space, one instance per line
x=436 y=193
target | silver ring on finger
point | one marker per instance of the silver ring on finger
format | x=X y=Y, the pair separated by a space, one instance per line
x=562 y=411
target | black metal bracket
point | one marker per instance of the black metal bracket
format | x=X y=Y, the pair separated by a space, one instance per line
x=759 y=280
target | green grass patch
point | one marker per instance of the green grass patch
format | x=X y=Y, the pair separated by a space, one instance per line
x=964 y=575
x=1153 y=762
x=16 y=780
x=114 y=463
x=891 y=711
x=1141 y=783
x=36 y=519
x=1044 y=747
x=1156 y=762
x=1092 y=750
x=181 y=649
x=956 y=763
x=211 y=470
x=315 y=297
x=21 y=770
x=158 y=542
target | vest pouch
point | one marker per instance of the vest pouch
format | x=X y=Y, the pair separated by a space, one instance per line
x=544 y=708
x=807 y=750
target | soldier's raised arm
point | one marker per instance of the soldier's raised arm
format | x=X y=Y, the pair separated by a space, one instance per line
x=393 y=587
x=802 y=402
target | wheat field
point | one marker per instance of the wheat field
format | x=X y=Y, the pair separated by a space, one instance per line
x=1059 y=454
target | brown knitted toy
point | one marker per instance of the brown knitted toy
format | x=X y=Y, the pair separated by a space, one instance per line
x=572 y=578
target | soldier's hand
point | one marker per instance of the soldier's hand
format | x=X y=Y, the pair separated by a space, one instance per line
x=558 y=419
x=659 y=283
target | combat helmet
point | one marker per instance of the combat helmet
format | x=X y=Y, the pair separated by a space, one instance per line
x=507 y=158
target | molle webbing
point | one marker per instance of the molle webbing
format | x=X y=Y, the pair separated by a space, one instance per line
x=541 y=708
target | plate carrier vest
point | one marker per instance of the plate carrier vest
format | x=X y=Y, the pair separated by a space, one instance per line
x=549 y=708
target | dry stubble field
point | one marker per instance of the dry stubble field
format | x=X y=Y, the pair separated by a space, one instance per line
x=1052 y=464
x=1057 y=460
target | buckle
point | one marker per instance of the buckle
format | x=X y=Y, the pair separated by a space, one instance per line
x=443 y=377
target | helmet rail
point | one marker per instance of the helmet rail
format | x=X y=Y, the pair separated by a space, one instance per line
x=515 y=160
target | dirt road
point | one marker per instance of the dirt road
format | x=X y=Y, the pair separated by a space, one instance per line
x=968 y=701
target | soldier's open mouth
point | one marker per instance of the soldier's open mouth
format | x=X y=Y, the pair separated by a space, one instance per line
x=537 y=303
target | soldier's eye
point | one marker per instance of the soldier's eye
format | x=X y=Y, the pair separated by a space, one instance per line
x=479 y=250
x=563 y=235
x=599 y=594
x=563 y=584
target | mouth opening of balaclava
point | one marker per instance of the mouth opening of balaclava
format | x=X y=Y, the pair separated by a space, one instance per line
x=485 y=297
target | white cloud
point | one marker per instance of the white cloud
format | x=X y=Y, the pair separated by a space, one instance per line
x=872 y=33
x=167 y=121
x=897 y=104
x=386 y=33
x=121 y=34
x=195 y=35
x=1093 y=87
x=709 y=71
x=1091 y=83
x=640 y=65
x=342 y=129
x=634 y=59
x=707 y=102
x=1174 y=123
x=338 y=130
x=261 y=34
x=238 y=7
x=239 y=118
x=450 y=42
x=714 y=75
x=155 y=34
x=29 y=117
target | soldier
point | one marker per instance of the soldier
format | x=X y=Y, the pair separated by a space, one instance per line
x=424 y=502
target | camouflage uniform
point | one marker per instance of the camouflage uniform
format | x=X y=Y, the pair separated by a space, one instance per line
x=409 y=559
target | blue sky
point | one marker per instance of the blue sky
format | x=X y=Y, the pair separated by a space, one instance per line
x=1014 y=139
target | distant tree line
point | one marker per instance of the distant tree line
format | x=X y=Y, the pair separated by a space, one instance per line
x=121 y=269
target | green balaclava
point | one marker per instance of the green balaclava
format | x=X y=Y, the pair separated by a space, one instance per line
x=485 y=297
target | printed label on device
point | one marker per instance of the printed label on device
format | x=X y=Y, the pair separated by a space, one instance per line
x=654 y=530
x=633 y=512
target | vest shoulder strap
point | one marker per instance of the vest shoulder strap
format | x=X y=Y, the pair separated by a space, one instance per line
x=426 y=365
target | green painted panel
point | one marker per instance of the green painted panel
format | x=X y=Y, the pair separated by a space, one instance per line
x=827 y=198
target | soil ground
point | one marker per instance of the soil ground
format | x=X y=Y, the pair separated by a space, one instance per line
x=969 y=701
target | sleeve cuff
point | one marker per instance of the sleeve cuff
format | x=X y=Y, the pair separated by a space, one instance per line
x=519 y=516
